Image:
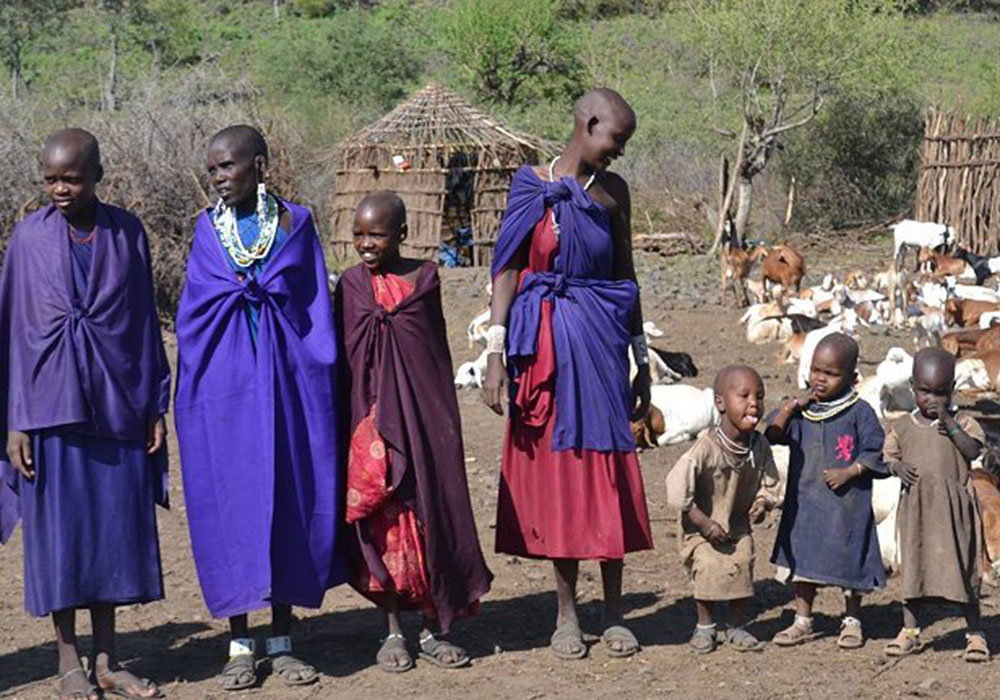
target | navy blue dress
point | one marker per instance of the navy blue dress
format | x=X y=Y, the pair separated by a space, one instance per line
x=825 y=536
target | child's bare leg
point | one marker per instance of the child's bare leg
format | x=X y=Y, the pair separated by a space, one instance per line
x=737 y=616
x=805 y=594
x=73 y=680
x=279 y=649
x=109 y=674
x=972 y=616
x=706 y=612
x=568 y=639
x=618 y=638
x=392 y=656
x=852 y=605
x=911 y=614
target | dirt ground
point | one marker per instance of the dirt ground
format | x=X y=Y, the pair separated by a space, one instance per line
x=179 y=645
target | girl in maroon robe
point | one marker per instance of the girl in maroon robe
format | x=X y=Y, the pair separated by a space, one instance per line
x=407 y=495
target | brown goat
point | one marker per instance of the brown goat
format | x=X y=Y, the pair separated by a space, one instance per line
x=941 y=265
x=966 y=312
x=785 y=266
x=736 y=266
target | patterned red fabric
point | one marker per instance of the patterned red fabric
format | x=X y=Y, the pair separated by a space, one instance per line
x=566 y=504
x=393 y=527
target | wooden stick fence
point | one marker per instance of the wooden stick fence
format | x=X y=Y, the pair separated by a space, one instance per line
x=959 y=181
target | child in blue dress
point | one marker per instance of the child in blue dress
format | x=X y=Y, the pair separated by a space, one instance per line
x=827 y=533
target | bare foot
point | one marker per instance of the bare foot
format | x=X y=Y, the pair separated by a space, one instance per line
x=76 y=686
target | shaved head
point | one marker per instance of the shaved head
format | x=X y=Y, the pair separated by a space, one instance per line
x=727 y=375
x=73 y=147
x=385 y=206
x=935 y=366
x=602 y=104
x=243 y=139
x=845 y=348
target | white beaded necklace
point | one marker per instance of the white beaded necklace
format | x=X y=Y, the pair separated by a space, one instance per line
x=734 y=448
x=225 y=221
x=552 y=178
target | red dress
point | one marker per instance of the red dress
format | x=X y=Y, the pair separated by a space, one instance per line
x=394 y=528
x=566 y=504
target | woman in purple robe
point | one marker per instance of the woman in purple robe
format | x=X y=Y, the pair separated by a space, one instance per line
x=566 y=301
x=255 y=409
x=84 y=385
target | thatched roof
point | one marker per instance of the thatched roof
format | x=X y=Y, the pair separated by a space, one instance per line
x=435 y=116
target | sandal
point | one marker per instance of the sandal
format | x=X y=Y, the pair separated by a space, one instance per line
x=434 y=650
x=292 y=671
x=851 y=636
x=799 y=632
x=567 y=642
x=740 y=640
x=628 y=645
x=122 y=689
x=906 y=642
x=393 y=650
x=90 y=691
x=976 y=649
x=704 y=640
x=240 y=672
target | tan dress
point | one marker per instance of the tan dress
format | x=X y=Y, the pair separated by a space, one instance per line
x=940 y=530
x=723 y=487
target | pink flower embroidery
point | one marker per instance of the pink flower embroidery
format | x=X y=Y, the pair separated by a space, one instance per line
x=845 y=447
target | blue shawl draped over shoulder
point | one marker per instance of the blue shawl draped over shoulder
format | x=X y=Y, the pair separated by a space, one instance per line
x=256 y=423
x=590 y=311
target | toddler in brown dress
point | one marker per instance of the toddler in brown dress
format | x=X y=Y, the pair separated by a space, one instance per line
x=941 y=543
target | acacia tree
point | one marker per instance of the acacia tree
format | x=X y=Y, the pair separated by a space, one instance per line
x=502 y=47
x=771 y=65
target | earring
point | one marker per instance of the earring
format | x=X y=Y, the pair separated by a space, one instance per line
x=261 y=200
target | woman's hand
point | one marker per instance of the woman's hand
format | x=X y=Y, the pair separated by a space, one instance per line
x=641 y=393
x=157 y=436
x=19 y=452
x=495 y=383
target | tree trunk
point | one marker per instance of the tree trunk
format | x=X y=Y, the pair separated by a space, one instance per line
x=110 y=92
x=743 y=206
x=277 y=9
x=15 y=80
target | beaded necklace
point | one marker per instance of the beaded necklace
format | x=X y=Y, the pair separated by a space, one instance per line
x=552 y=178
x=225 y=221
x=733 y=448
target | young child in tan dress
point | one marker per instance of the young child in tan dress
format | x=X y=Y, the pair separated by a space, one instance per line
x=940 y=531
x=725 y=480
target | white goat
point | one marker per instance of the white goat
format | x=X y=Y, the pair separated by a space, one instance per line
x=888 y=390
x=470 y=374
x=687 y=410
x=847 y=322
x=919 y=234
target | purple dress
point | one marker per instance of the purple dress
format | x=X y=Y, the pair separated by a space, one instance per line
x=256 y=423
x=84 y=376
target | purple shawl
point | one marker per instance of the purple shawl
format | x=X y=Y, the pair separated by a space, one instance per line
x=400 y=360
x=96 y=362
x=590 y=311
x=257 y=428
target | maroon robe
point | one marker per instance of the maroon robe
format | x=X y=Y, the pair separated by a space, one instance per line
x=400 y=358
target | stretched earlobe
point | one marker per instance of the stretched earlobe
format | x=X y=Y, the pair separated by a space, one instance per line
x=404 y=231
x=99 y=173
x=591 y=123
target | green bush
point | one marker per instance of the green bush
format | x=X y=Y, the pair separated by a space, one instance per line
x=858 y=161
